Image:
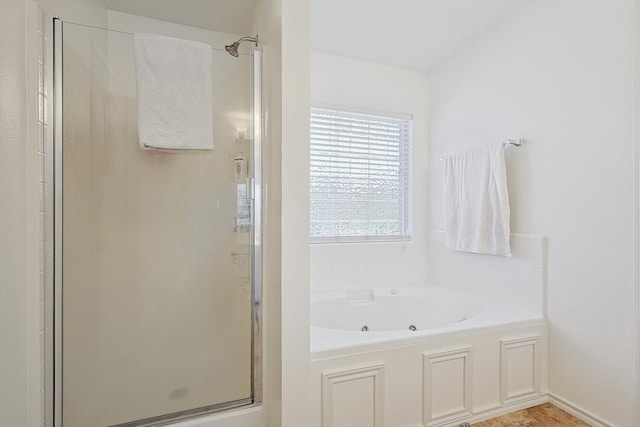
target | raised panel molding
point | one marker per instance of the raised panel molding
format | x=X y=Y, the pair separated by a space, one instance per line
x=447 y=389
x=519 y=369
x=364 y=400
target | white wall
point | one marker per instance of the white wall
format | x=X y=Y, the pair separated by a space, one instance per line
x=14 y=273
x=560 y=75
x=295 y=213
x=283 y=28
x=353 y=83
x=88 y=12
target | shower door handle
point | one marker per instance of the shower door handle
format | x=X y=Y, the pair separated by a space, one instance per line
x=250 y=189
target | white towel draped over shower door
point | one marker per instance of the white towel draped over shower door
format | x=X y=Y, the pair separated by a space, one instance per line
x=174 y=85
x=476 y=201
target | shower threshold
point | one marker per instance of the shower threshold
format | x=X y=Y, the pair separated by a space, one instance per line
x=188 y=414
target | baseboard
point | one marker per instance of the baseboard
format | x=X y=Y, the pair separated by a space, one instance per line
x=578 y=412
x=486 y=414
x=574 y=410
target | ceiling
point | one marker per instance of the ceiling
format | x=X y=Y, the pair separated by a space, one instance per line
x=414 y=34
x=227 y=16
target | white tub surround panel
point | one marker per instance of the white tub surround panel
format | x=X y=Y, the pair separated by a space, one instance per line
x=353 y=397
x=434 y=381
x=519 y=281
x=519 y=369
x=447 y=385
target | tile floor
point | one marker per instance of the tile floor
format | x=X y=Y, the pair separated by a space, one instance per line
x=545 y=415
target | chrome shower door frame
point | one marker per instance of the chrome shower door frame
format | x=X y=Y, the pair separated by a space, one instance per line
x=256 y=256
x=54 y=404
x=57 y=220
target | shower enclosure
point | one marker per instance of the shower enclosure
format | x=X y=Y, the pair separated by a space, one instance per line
x=157 y=308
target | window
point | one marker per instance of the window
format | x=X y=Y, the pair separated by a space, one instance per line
x=360 y=176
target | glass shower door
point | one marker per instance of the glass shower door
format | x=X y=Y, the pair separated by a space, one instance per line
x=154 y=296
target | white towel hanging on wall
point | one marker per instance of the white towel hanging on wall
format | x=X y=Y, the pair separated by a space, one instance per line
x=476 y=201
x=174 y=85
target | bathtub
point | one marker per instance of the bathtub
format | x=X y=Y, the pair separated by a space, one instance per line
x=356 y=320
x=422 y=356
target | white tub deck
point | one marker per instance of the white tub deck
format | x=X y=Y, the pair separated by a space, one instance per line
x=480 y=316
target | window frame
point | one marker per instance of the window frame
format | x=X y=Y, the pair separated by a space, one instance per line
x=408 y=214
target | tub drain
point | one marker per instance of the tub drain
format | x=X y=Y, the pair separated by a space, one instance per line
x=365 y=328
x=412 y=327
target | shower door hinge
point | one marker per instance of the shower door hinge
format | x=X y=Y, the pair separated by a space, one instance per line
x=250 y=189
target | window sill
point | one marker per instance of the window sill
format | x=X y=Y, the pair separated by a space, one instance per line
x=358 y=239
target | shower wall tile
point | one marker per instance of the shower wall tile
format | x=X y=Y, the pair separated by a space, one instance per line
x=369 y=265
x=518 y=280
x=44 y=207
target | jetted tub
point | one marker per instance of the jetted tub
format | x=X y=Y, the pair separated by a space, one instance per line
x=367 y=319
x=422 y=356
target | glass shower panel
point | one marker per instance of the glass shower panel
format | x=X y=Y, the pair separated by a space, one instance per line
x=156 y=266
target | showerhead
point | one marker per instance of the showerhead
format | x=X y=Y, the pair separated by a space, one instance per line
x=233 y=47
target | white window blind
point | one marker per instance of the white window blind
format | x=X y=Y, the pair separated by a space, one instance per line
x=359 y=179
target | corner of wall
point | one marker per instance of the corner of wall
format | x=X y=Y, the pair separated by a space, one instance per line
x=295 y=212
